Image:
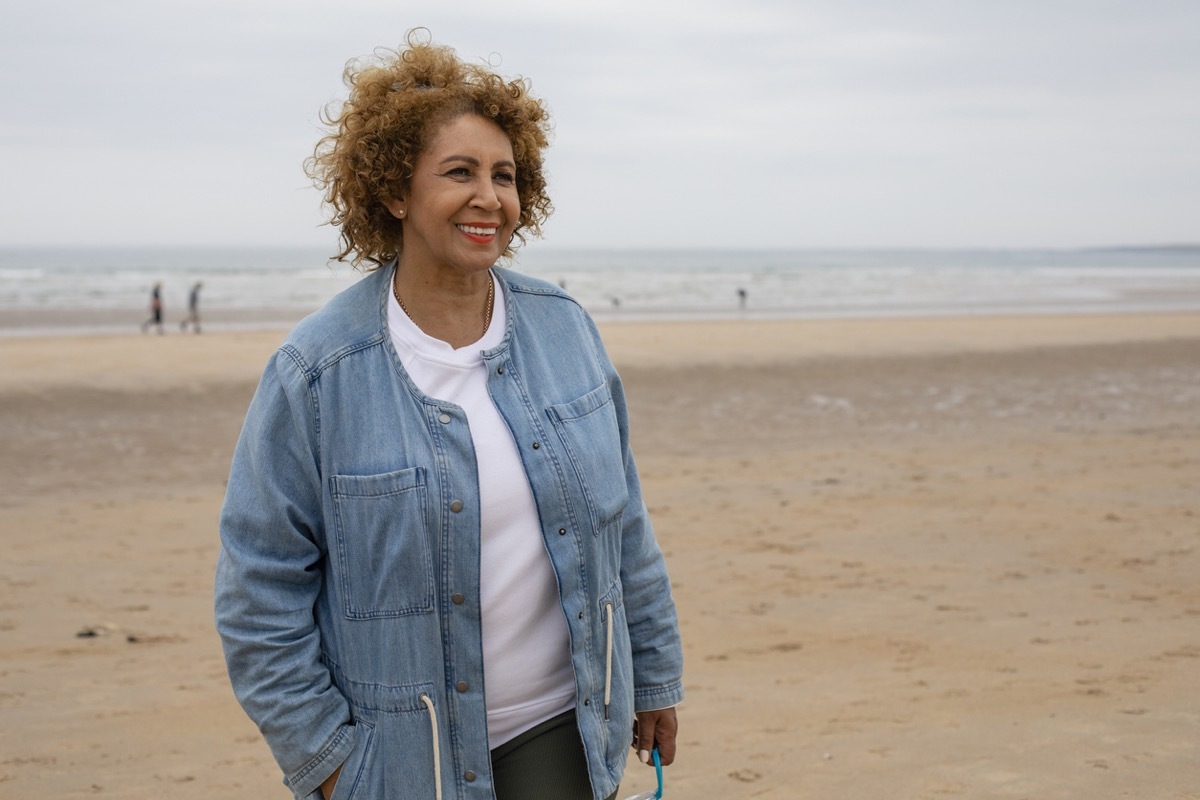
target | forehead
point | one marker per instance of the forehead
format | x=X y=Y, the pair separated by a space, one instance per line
x=470 y=135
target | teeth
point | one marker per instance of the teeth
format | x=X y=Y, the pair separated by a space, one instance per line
x=476 y=231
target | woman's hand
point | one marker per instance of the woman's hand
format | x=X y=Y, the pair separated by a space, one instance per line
x=655 y=729
x=330 y=782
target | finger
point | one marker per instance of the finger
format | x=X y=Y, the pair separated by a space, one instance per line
x=643 y=735
x=657 y=729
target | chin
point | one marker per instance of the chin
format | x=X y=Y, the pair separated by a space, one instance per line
x=480 y=261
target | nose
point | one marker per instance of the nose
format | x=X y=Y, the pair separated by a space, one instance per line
x=485 y=196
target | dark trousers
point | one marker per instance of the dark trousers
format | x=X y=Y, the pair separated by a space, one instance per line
x=544 y=763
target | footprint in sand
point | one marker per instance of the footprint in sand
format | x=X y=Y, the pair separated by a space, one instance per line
x=745 y=775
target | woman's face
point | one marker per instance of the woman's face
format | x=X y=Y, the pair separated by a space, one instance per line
x=462 y=206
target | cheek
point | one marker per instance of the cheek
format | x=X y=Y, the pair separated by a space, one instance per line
x=512 y=208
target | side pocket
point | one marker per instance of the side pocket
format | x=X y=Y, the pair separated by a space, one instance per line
x=405 y=722
x=383 y=560
x=592 y=438
x=357 y=763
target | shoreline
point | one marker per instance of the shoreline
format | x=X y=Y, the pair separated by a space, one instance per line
x=29 y=323
x=149 y=361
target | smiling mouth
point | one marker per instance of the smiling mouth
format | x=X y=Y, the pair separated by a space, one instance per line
x=475 y=230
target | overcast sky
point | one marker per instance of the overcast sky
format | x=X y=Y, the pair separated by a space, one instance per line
x=755 y=123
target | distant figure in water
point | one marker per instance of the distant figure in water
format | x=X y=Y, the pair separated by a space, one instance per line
x=193 y=317
x=742 y=299
x=156 y=309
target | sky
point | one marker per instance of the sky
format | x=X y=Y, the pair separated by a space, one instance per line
x=748 y=124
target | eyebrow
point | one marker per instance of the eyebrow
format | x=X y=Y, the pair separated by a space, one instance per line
x=475 y=161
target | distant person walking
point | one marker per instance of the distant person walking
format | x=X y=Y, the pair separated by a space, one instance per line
x=741 y=299
x=193 y=315
x=156 y=309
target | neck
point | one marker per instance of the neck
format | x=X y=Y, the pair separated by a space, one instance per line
x=455 y=309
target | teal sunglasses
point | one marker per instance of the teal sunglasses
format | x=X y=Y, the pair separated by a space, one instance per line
x=658 y=793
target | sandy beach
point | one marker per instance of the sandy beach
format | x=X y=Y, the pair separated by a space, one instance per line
x=914 y=558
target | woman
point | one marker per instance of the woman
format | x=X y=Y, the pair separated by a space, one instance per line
x=437 y=576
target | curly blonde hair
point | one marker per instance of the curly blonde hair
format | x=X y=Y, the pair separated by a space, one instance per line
x=398 y=101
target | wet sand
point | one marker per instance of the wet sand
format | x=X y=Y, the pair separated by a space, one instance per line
x=914 y=558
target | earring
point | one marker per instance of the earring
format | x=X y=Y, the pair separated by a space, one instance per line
x=400 y=213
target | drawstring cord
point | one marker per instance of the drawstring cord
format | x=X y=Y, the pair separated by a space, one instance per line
x=608 y=613
x=437 y=753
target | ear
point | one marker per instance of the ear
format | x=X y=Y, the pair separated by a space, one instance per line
x=396 y=206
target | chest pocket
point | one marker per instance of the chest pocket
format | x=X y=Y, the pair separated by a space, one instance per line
x=590 y=434
x=382 y=559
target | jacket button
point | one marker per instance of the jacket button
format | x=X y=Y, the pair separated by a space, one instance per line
x=461 y=686
x=456 y=506
x=587 y=702
x=444 y=419
x=469 y=776
x=499 y=370
x=536 y=446
x=562 y=531
x=458 y=599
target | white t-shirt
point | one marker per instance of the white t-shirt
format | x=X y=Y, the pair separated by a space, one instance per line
x=526 y=647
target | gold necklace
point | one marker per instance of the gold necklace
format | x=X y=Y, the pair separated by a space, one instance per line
x=487 y=310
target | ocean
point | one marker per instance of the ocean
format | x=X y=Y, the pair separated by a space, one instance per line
x=46 y=291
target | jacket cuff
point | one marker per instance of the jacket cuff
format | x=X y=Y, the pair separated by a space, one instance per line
x=306 y=782
x=653 y=698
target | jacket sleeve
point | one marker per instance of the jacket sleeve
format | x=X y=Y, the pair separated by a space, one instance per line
x=645 y=587
x=269 y=574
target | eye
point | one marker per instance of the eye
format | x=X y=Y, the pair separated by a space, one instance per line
x=459 y=172
x=505 y=177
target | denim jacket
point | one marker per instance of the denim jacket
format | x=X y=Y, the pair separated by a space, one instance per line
x=347 y=586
